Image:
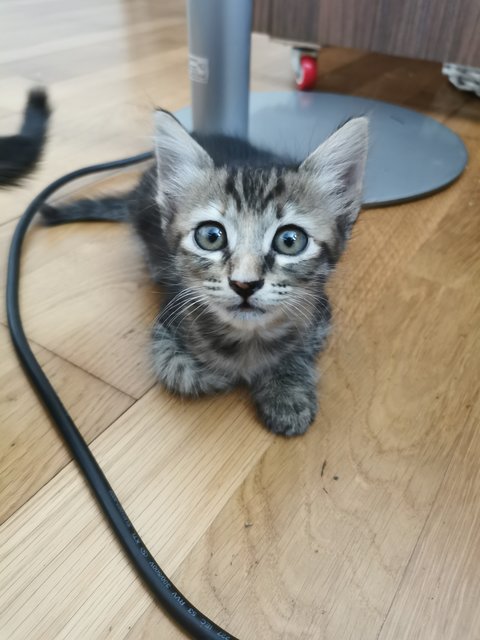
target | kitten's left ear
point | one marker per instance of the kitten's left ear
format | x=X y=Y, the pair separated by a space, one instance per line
x=181 y=161
x=338 y=166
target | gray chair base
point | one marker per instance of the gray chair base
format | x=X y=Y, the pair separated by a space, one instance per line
x=411 y=155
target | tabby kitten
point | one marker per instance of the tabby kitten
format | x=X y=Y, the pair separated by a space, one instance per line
x=243 y=243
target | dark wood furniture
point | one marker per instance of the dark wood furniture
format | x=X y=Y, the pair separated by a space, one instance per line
x=440 y=30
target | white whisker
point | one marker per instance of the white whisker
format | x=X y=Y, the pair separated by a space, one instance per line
x=186 y=304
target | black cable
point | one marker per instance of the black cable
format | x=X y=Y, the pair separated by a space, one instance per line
x=197 y=625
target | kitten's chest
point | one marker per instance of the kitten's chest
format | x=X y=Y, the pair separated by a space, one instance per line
x=250 y=358
x=241 y=357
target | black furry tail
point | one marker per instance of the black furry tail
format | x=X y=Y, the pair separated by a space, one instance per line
x=109 y=209
x=20 y=153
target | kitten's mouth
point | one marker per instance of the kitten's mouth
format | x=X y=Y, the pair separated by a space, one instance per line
x=247 y=308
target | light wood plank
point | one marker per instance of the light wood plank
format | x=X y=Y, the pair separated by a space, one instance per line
x=324 y=557
x=450 y=255
x=98 y=314
x=13 y=90
x=466 y=120
x=439 y=596
x=68 y=38
x=58 y=549
x=388 y=239
x=120 y=115
x=31 y=451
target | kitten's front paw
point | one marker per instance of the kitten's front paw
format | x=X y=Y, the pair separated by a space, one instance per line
x=178 y=370
x=287 y=412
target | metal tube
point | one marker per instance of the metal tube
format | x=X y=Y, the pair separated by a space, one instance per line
x=219 y=33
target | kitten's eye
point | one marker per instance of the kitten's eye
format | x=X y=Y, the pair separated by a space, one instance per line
x=211 y=236
x=290 y=241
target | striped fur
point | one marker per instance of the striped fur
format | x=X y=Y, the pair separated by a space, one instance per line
x=204 y=340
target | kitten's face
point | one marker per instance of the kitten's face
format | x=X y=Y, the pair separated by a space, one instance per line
x=253 y=245
x=256 y=254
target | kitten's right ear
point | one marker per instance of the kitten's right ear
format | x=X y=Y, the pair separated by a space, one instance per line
x=180 y=160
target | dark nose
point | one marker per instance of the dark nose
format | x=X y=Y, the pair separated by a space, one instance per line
x=246 y=289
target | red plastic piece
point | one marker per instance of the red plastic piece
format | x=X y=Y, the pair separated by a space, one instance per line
x=308 y=73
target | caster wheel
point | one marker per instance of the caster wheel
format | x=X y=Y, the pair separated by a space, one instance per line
x=304 y=63
x=308 y=73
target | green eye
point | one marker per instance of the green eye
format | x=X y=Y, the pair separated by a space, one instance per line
x=211 y=236
x=290 y=241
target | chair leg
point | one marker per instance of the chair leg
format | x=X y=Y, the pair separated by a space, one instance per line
x=219 y=33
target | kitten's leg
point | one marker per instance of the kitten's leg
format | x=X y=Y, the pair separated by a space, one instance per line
x=179 y=371
x=286 y=398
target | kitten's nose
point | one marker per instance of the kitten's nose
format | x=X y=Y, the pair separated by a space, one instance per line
x=246 y=289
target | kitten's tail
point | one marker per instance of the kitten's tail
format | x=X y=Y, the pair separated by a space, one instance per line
x=20 y=153
x=108 y=209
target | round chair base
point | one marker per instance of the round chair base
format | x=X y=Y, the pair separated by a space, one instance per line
x=411 y=155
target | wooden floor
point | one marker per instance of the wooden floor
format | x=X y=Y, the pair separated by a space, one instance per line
x=366 y=528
